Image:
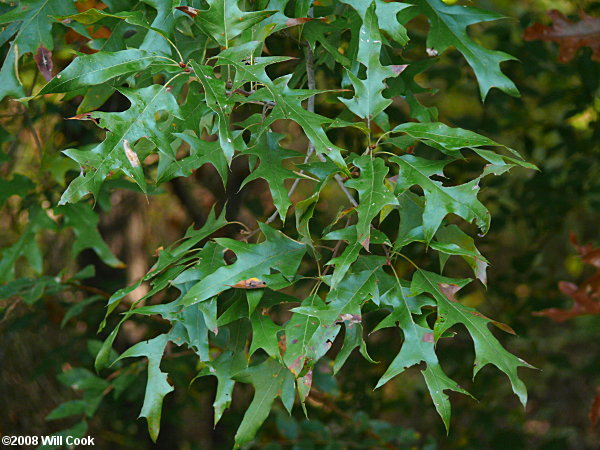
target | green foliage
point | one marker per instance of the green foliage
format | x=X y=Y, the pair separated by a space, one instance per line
x=222 y=298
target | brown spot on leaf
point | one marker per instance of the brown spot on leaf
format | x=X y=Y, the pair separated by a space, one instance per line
x=501 y=325
x=504 y=327
x=307 y=379
x=297 y=365
x=84 y=116
x=352 y=318
x=365 y=243
x=192 y=12
x=132 y=156
x=428 y=337
x=250 y=283
x=449 y=290
x=292 y=22
x=399 y=68
x=43 y=59
x=282 y=344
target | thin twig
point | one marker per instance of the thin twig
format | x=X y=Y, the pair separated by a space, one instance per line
x=344 y=189
x=311 y=149
x=310 y=107
x=9 y=309
x=34 y=133
x=310 y=77
x=28 y=120
x=248 y=94
x=90 y=289
x=335 y=251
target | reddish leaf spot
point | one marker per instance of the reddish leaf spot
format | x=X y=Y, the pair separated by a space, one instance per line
x=428 y=337
x=365 y=243
x=84 y=116
x=250 y=283
x=192 y=12
x=399 y=68
x=449 y=290
x=43 y=59
x=504 y=327
x=297 y=365
x=292 y=22
x=307 y=379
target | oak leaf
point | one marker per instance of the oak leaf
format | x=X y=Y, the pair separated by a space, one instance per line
x=571 y=36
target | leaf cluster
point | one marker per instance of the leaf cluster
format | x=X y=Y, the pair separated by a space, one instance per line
x=206 y=87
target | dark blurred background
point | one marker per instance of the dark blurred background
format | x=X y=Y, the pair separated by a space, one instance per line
x=554 y=125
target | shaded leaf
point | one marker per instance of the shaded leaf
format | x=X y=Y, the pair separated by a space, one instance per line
x=226 y=366
x=450 y=312
x=418 y=345
x=264 y=334
x=157 y=385
x=26 y=245
x=84 y=222
x=571 y=36
x=449 y=29
x=270 y=380
x=18 y=185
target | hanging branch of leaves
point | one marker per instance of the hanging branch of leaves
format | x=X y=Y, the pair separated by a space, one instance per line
x=185 y=74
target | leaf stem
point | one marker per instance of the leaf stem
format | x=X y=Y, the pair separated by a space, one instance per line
x=408 y=259
x=173 y=78
x=174 y=46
